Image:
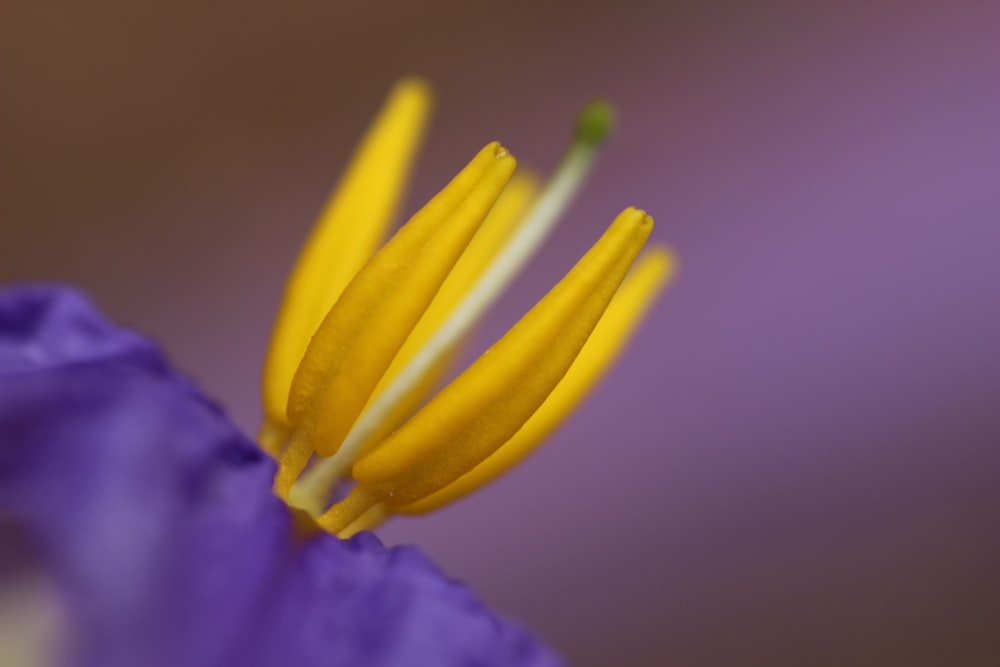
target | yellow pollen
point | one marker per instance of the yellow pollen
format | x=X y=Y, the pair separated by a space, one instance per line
x=364 y=336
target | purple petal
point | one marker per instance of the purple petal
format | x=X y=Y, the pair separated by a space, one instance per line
x=155 y=518
x=46 y=326
x=393 y=609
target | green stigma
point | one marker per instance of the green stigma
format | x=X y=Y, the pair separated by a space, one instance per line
x=595 y=121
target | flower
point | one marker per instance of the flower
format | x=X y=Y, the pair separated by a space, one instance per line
x=363 y=338
x=154 y=516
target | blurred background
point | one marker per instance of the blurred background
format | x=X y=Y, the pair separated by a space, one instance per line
x=798 y=460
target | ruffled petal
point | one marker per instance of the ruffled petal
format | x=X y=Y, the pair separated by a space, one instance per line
x=155 y=519
x=152 y=512
x=355 y=602
x=44 y=326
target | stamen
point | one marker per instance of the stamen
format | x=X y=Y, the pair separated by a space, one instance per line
x=367 y=521
x=366 y=327
x=500 y=224
x=486 y=405
x=273 y=436
x=593 y=125
x=352 y=225
x=643 y=284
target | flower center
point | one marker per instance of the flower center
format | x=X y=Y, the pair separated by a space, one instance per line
x=352 y=401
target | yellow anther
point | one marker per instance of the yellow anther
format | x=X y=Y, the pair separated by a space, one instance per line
x=350 y=228
x=363 y=337
x=478 y=412
x=365 y=329
x=650 y=275
x=499 y=225
x=396 y=397
x=370 y=520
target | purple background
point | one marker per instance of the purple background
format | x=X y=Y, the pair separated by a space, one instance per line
x=798 y=460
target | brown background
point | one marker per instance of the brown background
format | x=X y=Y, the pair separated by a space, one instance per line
x=797 y=462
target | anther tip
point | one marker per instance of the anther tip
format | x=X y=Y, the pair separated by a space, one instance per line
x=647 y=219
x=595 y=121
x=414 y=85
x=641 y=218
